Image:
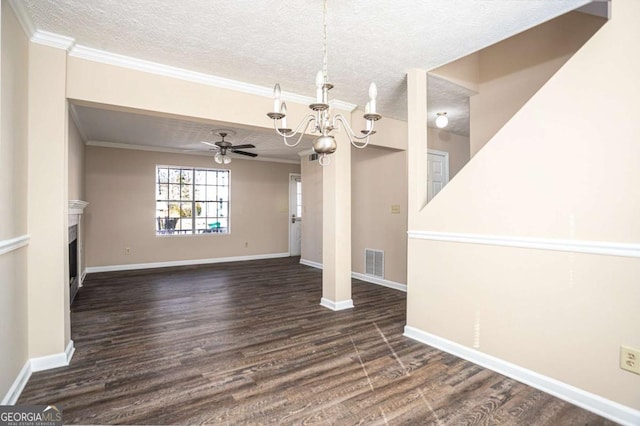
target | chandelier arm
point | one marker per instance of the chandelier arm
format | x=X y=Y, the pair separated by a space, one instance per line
x=323 y=121
x=305 y=121
x=351 y=134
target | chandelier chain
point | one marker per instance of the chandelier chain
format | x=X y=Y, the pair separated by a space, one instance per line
x=324 y=44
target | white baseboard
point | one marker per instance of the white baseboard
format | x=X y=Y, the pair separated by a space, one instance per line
x=380 y=281
x=82 y=277
x=311 y=263
x=589 y=401
x=37 y=364
x=336 y=306
x=132 y=266
x=18 y=385
x=362 y=277
x=53 y=361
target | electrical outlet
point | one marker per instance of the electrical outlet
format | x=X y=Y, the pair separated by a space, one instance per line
x=127 y=250
x=630 y=359
x=395 y=209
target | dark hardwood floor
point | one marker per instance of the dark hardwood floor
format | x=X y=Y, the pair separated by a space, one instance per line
x=248 y=343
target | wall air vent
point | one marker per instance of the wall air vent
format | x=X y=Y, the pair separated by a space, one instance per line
x=374 y=263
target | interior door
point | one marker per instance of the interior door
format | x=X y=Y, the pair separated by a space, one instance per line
x=437 y=172
x=295 y=215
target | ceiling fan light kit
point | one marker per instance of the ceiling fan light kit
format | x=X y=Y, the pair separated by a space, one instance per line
x=223 y=147
x=321 y=120
x=221 y=158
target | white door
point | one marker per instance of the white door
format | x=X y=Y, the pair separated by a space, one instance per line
x=437 y=172
x=295 y=214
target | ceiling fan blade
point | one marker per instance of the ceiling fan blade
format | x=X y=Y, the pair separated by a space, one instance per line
x=243 y=146
x=210 y=144
x=250 y=154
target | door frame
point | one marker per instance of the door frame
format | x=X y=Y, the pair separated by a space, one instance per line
x=445 y=154
x=291 y=200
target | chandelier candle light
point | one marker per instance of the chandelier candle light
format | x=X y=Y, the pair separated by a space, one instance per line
x=321 y=121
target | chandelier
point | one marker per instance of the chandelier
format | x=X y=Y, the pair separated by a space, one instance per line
x=321 y=121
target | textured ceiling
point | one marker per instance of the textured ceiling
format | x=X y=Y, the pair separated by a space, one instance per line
x=101 y=126
x=263 y=42
x=448 y=97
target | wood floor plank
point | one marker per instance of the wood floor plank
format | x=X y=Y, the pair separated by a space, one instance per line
x=248 y=343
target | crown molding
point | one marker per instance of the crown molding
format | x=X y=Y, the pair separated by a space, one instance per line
x=103 y=56
x=91 y=54
x=76 y=121
x=53 y=40
x=23 y=17
x=96 y=55
x=117 y=145
x=39 y=36
x=338 y=104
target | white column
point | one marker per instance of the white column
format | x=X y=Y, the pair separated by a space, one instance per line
x=417 y=142
x=48 y=261
x=336 y=228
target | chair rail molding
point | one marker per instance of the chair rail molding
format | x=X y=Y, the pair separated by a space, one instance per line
x=554 y=244
x=12 y=244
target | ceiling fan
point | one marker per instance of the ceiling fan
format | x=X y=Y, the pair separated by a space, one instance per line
x=222 y=157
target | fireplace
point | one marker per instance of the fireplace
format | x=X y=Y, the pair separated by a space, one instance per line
x=74 y=280
x=76 y=256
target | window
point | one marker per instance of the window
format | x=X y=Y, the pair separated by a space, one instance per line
x=191 y=201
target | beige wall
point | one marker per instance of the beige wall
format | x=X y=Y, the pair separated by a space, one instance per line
x=390 y=132
x=513 y=70
x=456 y=145
x=116 y=87
x=372 y=194
x=373 y=226
x=13 y=146
x=13 y=198
x=540 y=176
x=120 y=190
x=508 y=73
x=76 y=162
x=464 y=72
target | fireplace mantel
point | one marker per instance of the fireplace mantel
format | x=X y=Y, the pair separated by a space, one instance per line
x=77 y=206
x=76 y=209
